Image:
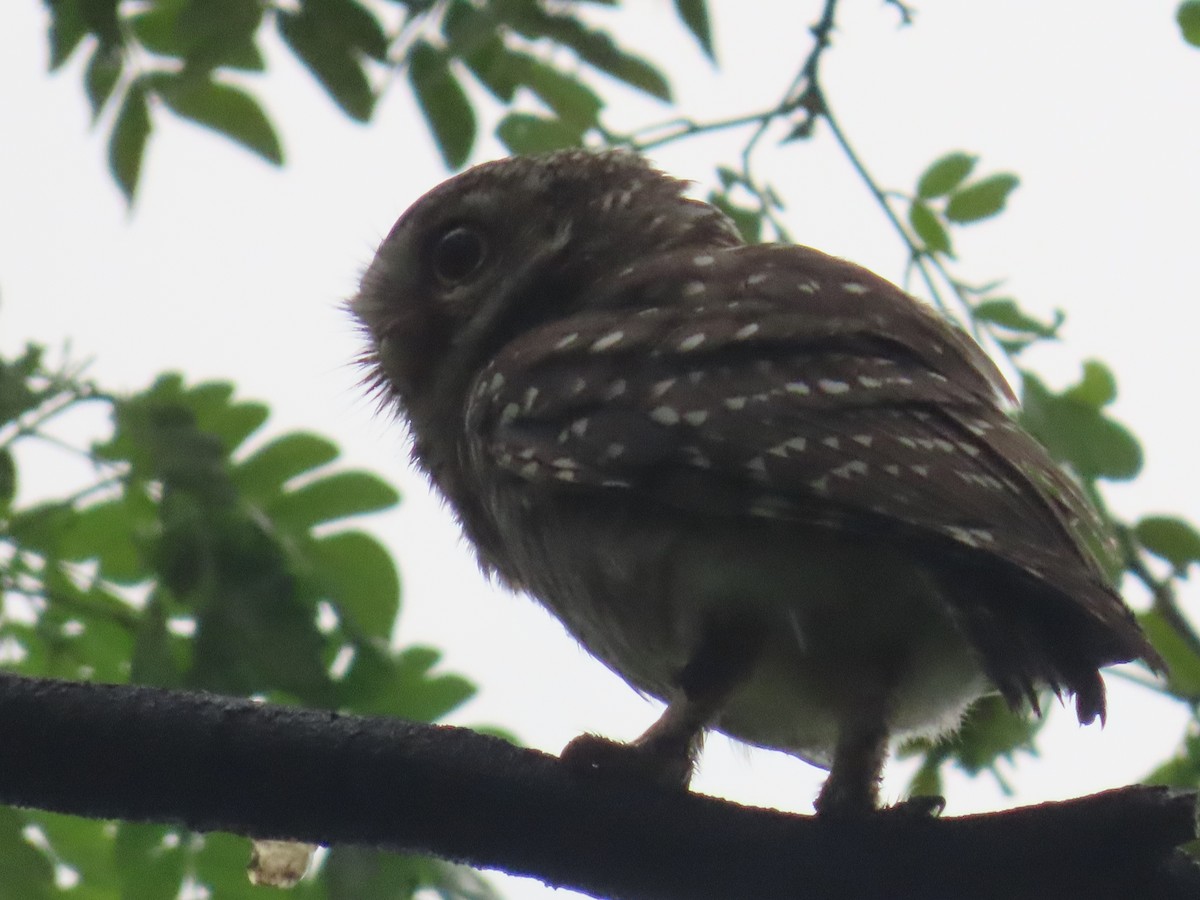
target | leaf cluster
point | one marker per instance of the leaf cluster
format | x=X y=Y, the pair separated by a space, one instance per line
x=196 y=58
x=205 y=557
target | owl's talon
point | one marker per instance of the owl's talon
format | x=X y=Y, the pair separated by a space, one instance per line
x=929 y=806
x=592 y=755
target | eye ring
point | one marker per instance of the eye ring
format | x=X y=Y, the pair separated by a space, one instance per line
x=458 y=253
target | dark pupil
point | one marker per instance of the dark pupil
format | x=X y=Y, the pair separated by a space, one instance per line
x=457 y=254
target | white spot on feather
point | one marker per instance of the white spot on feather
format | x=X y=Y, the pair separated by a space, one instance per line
x=665 y=415
x=616 y=389
x=609 y=340
x=854 y=467
x=746 y=331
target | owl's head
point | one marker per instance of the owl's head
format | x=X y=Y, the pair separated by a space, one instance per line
x=510 y=244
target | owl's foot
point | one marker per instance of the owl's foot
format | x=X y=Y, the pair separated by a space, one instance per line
x=646 y=762
x=852 y=789
x=926 y=807
x=666 y=753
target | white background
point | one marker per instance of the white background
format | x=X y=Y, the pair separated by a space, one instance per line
x=230 y=269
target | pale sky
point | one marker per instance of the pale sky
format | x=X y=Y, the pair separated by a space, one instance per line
x=230 y=269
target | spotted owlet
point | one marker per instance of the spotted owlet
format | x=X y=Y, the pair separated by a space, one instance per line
x=758 y=482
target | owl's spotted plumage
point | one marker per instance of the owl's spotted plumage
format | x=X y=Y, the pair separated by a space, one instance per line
x=758 y=482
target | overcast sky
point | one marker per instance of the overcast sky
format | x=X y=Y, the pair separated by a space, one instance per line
x=230 y=269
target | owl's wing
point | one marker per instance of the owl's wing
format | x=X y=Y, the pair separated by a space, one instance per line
x=781 y=383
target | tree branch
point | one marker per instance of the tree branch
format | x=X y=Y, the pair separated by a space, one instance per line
x=214 y=763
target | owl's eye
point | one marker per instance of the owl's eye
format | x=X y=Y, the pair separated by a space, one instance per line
x=458 y=253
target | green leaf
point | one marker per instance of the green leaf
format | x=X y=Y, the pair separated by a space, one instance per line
x=334 y=497
x=27 y=871
x=1188 y=17
x=101 y=19
x=83 y=845
x=1183 y=665
x=1176 y=541
x=468 y=28
x=332 y=62
x=106 y=532
x=1079 y=433
x=383 y=683
x=153 y=659
x=206 y=34
x=1097 y=388
x=1004 y=312
x=526 y=133
x=41 y=528
x=19 y=384
x=573 y=102
x=749 y=222
x=423 y=697
x=497 y=68
x=67 y=29
x=149 y=865
x=594 y=47
x=443 y=102
x=8 y=479
x=694 y=14
x=161 y=438
x=990 y=733
x=127 y=145
x=158 y=30
x=928 y=228
x=352 y=24
x=945 y=174
x=233 y=423
x=220 y=865
x=361 y=580
x=632 y=70
x=102 y=649
x=256 y=629
x=264 y=473
x=981 y=200
x=728 y=177
x=228 y=111
x=100 y=77
x=1182 y=770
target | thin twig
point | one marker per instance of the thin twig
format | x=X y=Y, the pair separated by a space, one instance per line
x=1162 y=594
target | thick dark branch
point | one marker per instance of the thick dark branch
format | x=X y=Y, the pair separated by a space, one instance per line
x=213 y=763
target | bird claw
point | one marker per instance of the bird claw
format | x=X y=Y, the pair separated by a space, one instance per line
x=921 y=807
x=591 y=754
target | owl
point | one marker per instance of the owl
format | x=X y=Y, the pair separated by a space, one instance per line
x=758 y=482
